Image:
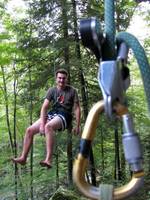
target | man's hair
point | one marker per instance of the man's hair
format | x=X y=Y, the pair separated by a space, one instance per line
x=62 y=71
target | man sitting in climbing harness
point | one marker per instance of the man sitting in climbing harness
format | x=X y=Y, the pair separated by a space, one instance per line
x=63 y=99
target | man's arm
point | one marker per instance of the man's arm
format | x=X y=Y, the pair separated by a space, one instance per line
x=43 y=115
x=77 y=112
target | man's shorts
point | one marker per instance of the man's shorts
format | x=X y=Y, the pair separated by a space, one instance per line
x=65 y=118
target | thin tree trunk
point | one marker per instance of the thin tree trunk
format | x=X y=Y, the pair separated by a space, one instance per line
x=148 y=159
x=123 y=161
x=30 y=109
x=57 y=163
x=7 y=108
x=31 y=121
x=102 y=149
x=15 y=138
x=83 y=90
x=70 y=156
x=66 y=59
x=65 y=36
x=117 y=173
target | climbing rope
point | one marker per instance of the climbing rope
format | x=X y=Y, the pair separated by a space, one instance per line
x=109 y=29
x=141 y=58
x=132 y=43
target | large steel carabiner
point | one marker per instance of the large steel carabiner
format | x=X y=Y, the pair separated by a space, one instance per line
x=129 y=139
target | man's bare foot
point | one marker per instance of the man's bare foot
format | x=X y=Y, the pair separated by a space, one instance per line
x=44 y=163
x=20 y=161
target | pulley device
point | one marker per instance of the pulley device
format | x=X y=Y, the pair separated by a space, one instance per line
x=91 y=35
x=113 y=75
x=114 y=80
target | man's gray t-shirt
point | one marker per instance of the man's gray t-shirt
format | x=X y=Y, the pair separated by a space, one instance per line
x=63 y=100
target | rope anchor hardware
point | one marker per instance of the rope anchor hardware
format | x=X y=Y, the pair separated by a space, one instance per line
x=114 y=79
x=134 y=158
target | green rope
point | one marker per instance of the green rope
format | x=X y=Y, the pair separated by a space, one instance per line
x=109 y=52
x=106 y=192
x=109 y=45
x=141 y=58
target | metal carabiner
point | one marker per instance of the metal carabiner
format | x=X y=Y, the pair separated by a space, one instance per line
x=81 y=162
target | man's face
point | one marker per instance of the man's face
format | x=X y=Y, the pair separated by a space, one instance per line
x=61 y=80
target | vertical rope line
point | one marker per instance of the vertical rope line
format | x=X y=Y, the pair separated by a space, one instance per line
x=110 y=26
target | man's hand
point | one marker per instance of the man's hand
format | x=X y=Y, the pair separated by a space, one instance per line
x=76 y=130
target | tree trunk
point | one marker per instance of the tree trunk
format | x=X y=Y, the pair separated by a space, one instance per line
x=117 y=174
x=70 y=156
x=83 y=90
x=31 y=121
x=123 y=161
x=102 y=149
x=14 y=136
x=7 y=108
x=57 y=162
x=65 y=36
x=66 y=59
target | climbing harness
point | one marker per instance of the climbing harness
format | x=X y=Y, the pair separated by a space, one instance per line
x=114 y=79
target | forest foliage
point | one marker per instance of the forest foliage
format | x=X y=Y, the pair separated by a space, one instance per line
x=31 y=49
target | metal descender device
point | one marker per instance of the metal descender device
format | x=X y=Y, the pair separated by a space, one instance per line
x=114 y=80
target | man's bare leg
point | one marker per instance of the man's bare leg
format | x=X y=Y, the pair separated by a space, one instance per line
x=28 y=140
x=50 y=129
